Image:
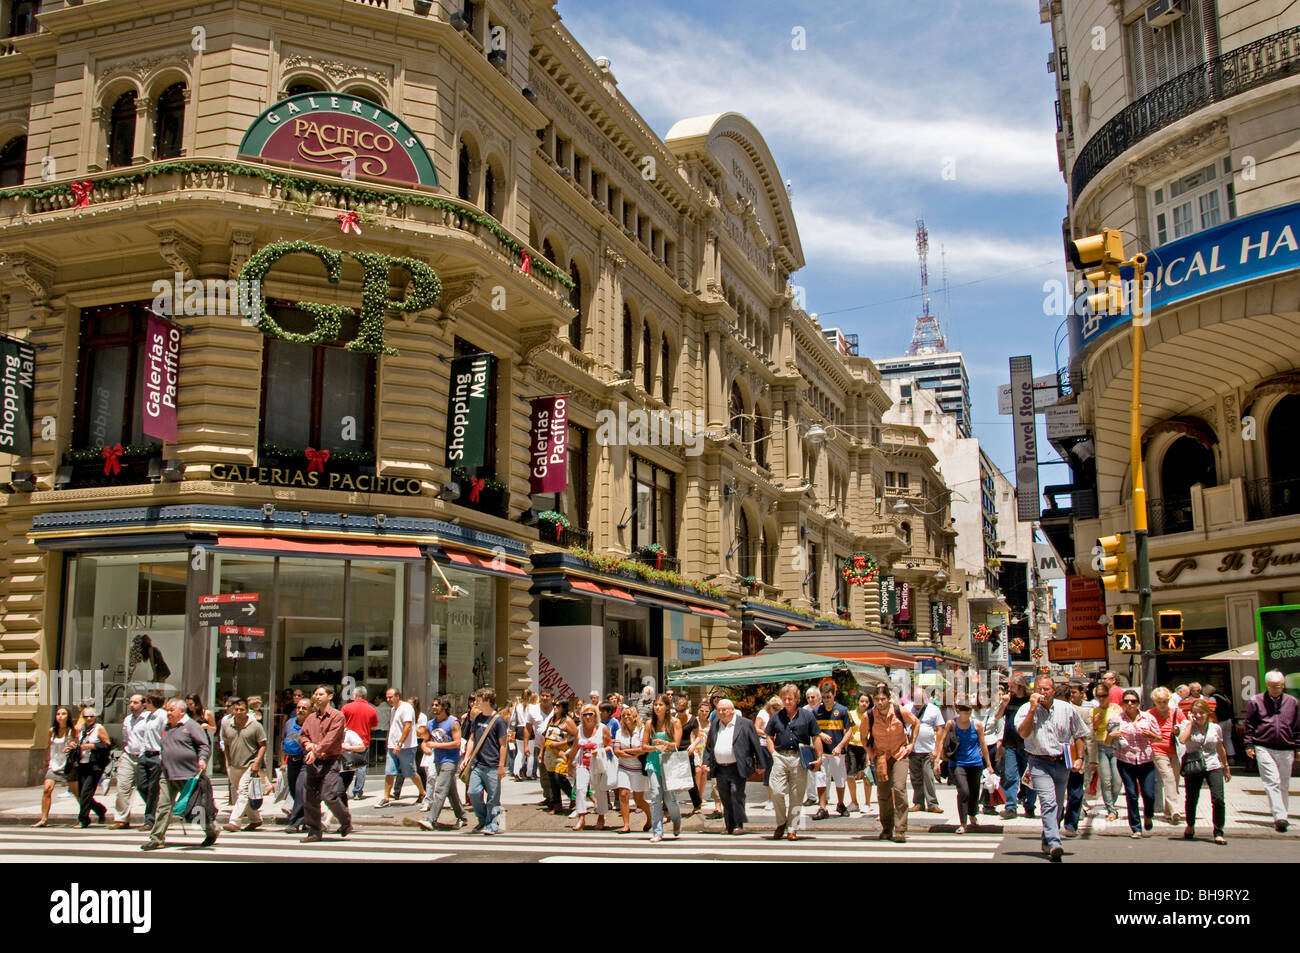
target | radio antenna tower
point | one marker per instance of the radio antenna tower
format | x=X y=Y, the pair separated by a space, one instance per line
x=927 y=338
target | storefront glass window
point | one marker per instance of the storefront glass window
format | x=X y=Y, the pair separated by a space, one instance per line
x=126 y=617
x=463 y=637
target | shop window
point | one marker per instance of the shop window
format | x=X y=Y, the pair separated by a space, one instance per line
x=170 y=125
x=22 y=17
x=110 y=376
x=319 y=396
x=126 y=618
x=463 y=636
x=575 y=301
x=655 y=518
x=1193 y=202
x=463 y=348
x=13 y=162
x=121 y=131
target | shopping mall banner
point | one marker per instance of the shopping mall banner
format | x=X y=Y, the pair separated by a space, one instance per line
x=162 y=358
x=904 y=602
x=1256 y=246
x=467 y=410
x=888 y=599
x=549 y=448
x=17 y=376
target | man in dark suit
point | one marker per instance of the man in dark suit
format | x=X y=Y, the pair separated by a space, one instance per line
x=730 y=753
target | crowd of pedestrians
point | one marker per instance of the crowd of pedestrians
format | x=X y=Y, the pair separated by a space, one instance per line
x=1042 y=749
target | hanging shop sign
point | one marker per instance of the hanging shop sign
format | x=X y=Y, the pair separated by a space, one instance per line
x=947 y=619
x=936 y=617
x=467 y=410
x=327 y=318
x=888 y=598
x=17 y=375
x=306 y=475
x=550 y=445
x=1085 y=604
x=1026 y=437
x=904 y=602
x=162 y=357
x=340 y=134
x=1277 y=629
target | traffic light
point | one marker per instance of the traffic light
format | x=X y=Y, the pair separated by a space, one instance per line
x=1111 y=561
x=1099 y=258
x=1126 y=637
x=1170 y=631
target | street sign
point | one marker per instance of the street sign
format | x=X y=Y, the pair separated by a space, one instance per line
x=1046 y=393
x=1063 y=421
x=1127 y=642
x=246 y=630
x=1076 y=650
x=235 y=609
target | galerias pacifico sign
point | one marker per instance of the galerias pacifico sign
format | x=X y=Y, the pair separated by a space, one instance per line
x=344 y=135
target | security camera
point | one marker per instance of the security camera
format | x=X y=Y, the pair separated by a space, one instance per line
x=380 y=520
x=268 y=510
x=458 y=591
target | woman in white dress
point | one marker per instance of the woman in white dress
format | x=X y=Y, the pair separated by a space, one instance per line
x=590 y=765
x=631 y=780
x=56 y=763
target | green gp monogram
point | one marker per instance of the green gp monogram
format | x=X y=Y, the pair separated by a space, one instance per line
x=327 y=318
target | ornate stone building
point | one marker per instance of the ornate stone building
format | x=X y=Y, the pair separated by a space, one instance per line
x=384 y=237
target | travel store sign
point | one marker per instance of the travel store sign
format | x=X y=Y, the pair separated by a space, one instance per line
x=1244 y=249
x=339 y=134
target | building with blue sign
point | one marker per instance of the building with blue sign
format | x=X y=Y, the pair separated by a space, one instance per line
x=1181 y=128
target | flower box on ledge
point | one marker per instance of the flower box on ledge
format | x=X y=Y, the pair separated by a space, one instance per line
x=482 y=494
x=107 y=466
x=624 y=568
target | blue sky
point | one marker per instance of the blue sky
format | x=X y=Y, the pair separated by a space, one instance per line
x=862 y=122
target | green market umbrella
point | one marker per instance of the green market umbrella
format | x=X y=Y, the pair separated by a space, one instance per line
x=774 y=667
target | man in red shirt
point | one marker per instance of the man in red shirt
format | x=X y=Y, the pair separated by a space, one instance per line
x=1111 y=681
x=1168 y=717
x=362 y=718
x=321 y=738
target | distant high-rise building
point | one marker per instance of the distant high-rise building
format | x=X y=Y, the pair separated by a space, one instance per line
x=944 y=373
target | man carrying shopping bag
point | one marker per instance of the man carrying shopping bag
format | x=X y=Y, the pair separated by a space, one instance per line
x=184 y=755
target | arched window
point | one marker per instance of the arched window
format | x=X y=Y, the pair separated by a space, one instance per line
x=22 y=17
x=547 y=251
x=907 y=533
x=169 y=127
x=462 y=174
x=745 y=565
x=767 y=558
x=362 y=92
x=666 y=371
x=760 y=440
x=575 y=301
x=299 y=86
x=628 y=360
x=1186 y=463
x=13 y=162
x=490 y=192
x=739 y=419
x=1283 y=495
x=121 y=130
x=647 y=355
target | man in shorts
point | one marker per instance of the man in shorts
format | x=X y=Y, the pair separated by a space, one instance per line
x=403 y=743
x=834 y=722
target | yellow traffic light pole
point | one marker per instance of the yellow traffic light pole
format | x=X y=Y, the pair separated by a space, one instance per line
x=1146 y=621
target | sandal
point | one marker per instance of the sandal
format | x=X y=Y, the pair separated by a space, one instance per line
x=582 y=825
x=600 y=823
x=961 y=829
x=1220 y=839
x=625 y=830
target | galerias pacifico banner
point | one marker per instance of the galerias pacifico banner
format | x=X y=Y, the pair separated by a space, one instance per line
x=904 y=602
x=467 y=410
x=17 y=374
x=549 y=450
x=162 y=356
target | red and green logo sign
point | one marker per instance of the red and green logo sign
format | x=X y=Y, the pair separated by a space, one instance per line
x=345 y=135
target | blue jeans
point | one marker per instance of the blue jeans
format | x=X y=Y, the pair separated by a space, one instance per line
x=1049 y=779
x=485 y=795
x=658 y=796
x=1139 y=779
x=1074 y=800
x=359 y=782
x=1108 y=777
x=1014 y=762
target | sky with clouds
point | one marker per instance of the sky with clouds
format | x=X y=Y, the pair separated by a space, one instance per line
x=886 y=97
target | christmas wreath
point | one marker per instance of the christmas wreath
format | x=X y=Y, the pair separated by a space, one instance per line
x=859 y=569
x=982 y=633
x=1017 y=645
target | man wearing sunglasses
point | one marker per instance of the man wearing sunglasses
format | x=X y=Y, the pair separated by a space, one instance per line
x=1053 y=733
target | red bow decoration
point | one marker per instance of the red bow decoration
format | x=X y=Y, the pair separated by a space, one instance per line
x=316 y=459
x=859 y=562
x=659 y=559
x=349 y=220
x=526 y=265
x=81 y=192
x=110 y=455
x=476 y=485
x=559 y=528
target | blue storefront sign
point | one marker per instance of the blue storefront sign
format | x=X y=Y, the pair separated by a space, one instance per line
x=1257 y=246
x=690 y=651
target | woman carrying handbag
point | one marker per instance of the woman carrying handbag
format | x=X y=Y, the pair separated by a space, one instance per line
x=590 y=766
x=1205 y=761
x=661 y=737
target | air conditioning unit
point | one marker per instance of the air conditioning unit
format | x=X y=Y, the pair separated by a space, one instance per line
x=1051 y=62
x=1164 y=12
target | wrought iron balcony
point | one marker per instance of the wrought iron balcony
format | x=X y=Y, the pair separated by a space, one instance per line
x=1266 y=499
x=658 y=560
x=561 y=535
x=1274 y=57
x=1169 y=516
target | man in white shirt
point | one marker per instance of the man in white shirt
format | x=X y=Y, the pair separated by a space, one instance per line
x=731 y=753
x=403 y=743
x=929 y=739
x=816 y=779
x=132 y=748
x=148 y=770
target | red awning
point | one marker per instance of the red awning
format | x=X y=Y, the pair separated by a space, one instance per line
x=600 y=589
x=475 y=561
x=874 y=658
x=312 y=548
x=716 y=613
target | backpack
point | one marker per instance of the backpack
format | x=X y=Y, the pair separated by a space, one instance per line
x=871 y=722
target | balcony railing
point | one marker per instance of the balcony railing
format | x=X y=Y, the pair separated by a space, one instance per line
x=568 y=537
x=659 y=561
x=1268 y=498
x=1169 y=516
x=1245 y=68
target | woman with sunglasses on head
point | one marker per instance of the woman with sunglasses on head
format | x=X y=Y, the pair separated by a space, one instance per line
x=631 y=780
x=968 y=763
x=1132 y=735
x=1203 y=740
x=590 y=764
x=661 y=736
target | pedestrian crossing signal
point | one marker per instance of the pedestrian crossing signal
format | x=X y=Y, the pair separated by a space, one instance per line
x=1126 y=637
x=1171 y=631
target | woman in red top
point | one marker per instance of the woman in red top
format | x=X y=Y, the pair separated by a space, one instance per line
x=1168 y=717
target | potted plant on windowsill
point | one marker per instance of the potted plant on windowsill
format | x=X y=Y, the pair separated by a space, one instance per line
x=553 y=521
x=652 y=553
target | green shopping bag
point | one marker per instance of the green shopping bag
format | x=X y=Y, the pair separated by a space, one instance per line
x=183 y=802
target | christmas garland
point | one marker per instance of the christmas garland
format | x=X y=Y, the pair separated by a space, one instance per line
x=859 y=569
x=556 y=519
x=290 y=184
x=327 y=318
x=982 y=633
x=425 y=289
x=605 y=563
x=293 y=453
x=96 y=454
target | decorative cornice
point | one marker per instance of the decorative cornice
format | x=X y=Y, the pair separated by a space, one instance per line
x=1177 y=151
x=336 y=70
x=34 y=274
x=141 y=68
x=458 y=292
x=179 y=251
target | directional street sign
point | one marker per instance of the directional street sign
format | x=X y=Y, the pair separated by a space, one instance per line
x=247 y=630
x=237 y=609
